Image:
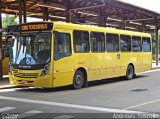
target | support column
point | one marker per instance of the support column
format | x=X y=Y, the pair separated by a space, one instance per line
x=45 y=11
x=1 y=69
x=20 y=11
x=157 y=46
x=123 y=25
x=24 y=12
x=68 y=6
x=101 y=18
x=104 y=21
x=44 y=16
x=142 y=28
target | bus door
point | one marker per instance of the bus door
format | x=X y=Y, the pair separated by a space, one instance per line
x=63 y=58
x=98 y=65
x=82 y=50
x=136 y=54
x=147 y=54
x=126 y=56
x=113 y=64
x=113 y=56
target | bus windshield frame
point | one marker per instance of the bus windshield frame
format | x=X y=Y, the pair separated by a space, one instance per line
x=30 y=50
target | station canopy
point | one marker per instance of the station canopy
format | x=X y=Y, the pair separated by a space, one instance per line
x=108 y=13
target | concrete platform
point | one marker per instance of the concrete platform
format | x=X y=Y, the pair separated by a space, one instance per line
x=155 y=66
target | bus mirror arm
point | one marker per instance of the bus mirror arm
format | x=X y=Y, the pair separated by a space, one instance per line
x=1 y=54
x=55 y=32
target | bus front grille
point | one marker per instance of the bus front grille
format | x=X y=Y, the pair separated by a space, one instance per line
x=26 y=75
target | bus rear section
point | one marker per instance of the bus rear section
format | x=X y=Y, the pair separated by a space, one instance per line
x=147 y=53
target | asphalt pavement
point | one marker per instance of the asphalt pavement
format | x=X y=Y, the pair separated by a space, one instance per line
x=102 y=98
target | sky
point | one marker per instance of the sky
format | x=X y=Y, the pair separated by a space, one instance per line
x=153 y=5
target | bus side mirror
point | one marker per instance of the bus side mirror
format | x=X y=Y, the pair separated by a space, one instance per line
x=1 y=54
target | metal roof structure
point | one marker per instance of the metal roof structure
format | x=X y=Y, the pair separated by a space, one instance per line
x=111 y=13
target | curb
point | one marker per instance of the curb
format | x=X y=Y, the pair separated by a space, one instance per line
x=8 y=87
x=155 y=68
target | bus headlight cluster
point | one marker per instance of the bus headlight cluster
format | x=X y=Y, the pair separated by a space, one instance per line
x=45 y=70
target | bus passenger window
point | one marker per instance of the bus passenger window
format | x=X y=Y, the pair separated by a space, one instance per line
x=62 y=45
x=112 y=43
x=136 y=44
x=97 y=42
x=146 y=44
x=81 y=41
x=125 y=42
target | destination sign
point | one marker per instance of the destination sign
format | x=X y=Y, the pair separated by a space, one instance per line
x=36 y=26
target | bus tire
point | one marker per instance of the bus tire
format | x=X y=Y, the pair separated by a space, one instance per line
x=130 y=72
x=78 y=80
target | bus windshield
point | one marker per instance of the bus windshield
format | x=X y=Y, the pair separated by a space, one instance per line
x=30 y=49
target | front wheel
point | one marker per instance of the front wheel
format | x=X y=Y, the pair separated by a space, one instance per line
x=78 y=80
x=130 y=72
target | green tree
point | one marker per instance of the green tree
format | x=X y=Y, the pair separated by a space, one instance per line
x=8 y=20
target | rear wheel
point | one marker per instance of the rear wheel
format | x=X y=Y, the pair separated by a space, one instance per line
x=78 y=80
x=130 y=72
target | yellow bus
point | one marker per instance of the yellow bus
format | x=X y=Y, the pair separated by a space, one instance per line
x=52 y=54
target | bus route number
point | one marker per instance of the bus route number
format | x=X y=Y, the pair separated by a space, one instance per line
x=34 y=27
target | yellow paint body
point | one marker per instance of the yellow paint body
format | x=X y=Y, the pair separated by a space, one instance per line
x=97 y=65
x=5 y=66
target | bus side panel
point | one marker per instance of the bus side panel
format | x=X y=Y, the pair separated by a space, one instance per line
x=113 y=65
x=147 y=61
x=125 y=61
x=136 y=60
x=103 y=66
x=44 y=81
x=98 y=66
x=82 y=60
x=63 y=71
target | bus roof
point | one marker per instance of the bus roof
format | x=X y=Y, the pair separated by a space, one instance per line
x=72 y=26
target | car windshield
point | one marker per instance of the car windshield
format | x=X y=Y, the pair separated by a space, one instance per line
x=30 y=49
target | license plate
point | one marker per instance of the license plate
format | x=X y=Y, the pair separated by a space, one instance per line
x=24 y=81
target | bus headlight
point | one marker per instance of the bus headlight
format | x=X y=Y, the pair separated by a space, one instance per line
x=45 y=70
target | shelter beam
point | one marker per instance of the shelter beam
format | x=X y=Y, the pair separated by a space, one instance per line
x=1 y=70
x=24 y=12
x=157 y=46
x=68 y=7
x=20 y=11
